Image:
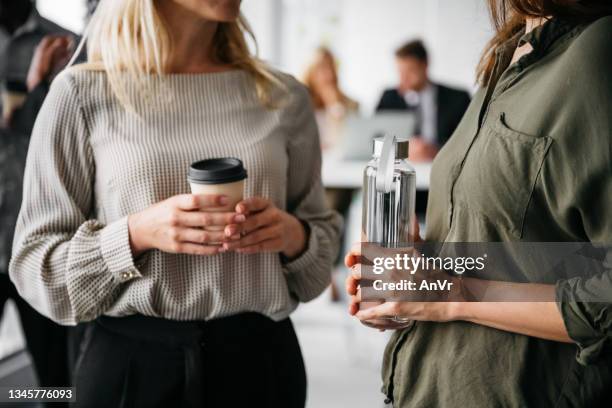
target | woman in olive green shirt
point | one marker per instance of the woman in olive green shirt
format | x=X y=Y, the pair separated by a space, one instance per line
x=530 y=162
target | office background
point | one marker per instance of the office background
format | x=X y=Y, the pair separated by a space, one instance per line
x=363 y=35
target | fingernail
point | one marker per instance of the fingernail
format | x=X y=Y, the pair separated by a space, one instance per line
x=228 y=233
x=240 y=218
x=223 y=200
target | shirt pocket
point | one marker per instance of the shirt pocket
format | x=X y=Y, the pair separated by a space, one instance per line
x=499 y=177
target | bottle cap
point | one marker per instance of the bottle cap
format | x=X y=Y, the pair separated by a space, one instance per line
x=401 y=147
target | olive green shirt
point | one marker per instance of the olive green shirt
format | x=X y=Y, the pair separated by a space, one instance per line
x=531 y=161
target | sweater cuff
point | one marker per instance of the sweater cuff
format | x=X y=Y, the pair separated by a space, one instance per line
x=308 y=258
x=116 y=251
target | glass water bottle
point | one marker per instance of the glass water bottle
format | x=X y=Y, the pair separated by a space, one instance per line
x=389 y=190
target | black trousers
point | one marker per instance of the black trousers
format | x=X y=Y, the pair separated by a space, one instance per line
x=245 y=360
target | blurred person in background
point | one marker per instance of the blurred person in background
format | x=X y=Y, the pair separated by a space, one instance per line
x=50 y=57
x=108 y=234
x=32 y=51
x=21 y=30
x=332 y=107
x=437 y=109
x=531 y=162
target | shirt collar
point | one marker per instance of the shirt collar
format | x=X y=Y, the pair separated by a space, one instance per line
x=504 y=52
x=542 y=37
x=414 y=98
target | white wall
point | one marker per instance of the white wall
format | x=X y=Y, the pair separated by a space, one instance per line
x=265 y=18
x=69 y=14
x=364 y=35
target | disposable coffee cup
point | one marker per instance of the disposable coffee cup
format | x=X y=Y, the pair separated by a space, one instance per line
x=222 y=176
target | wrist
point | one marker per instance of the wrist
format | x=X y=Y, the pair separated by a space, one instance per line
x=297 y=242
x=458 y=306
x=136 y=243
x=33 y=82
x=459 y=311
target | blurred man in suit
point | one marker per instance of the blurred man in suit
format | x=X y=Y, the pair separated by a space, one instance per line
x=437 y=108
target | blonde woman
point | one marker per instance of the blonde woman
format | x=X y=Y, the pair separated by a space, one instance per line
x=331 y=105
x=107 y=232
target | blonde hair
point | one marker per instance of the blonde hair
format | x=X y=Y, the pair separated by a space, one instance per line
x=129 y=40
x=324 y=56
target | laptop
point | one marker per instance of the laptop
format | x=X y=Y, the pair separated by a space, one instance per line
x=359 y=132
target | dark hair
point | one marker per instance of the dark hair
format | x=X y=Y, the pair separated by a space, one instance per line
x=413 y=49
x=509 y=19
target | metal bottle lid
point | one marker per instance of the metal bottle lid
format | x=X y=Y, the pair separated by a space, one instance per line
x=401 y=148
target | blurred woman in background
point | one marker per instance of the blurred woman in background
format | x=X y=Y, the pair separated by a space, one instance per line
x=331 y=105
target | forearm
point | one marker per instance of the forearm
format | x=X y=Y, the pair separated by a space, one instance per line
x=511 y=307
x=297 y=237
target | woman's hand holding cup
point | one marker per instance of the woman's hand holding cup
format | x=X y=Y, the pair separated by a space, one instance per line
x=203 y=223
x=181 y=224
x=266 y=229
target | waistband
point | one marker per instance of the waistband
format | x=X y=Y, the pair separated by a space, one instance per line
x=245 y=326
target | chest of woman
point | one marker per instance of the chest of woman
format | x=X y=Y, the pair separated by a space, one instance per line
x=487 y=180
x=142 y=161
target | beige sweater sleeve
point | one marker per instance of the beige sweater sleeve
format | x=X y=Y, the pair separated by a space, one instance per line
x=310 y=274
x=67 y=265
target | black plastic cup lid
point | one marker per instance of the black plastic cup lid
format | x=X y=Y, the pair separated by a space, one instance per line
x=216 y=171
